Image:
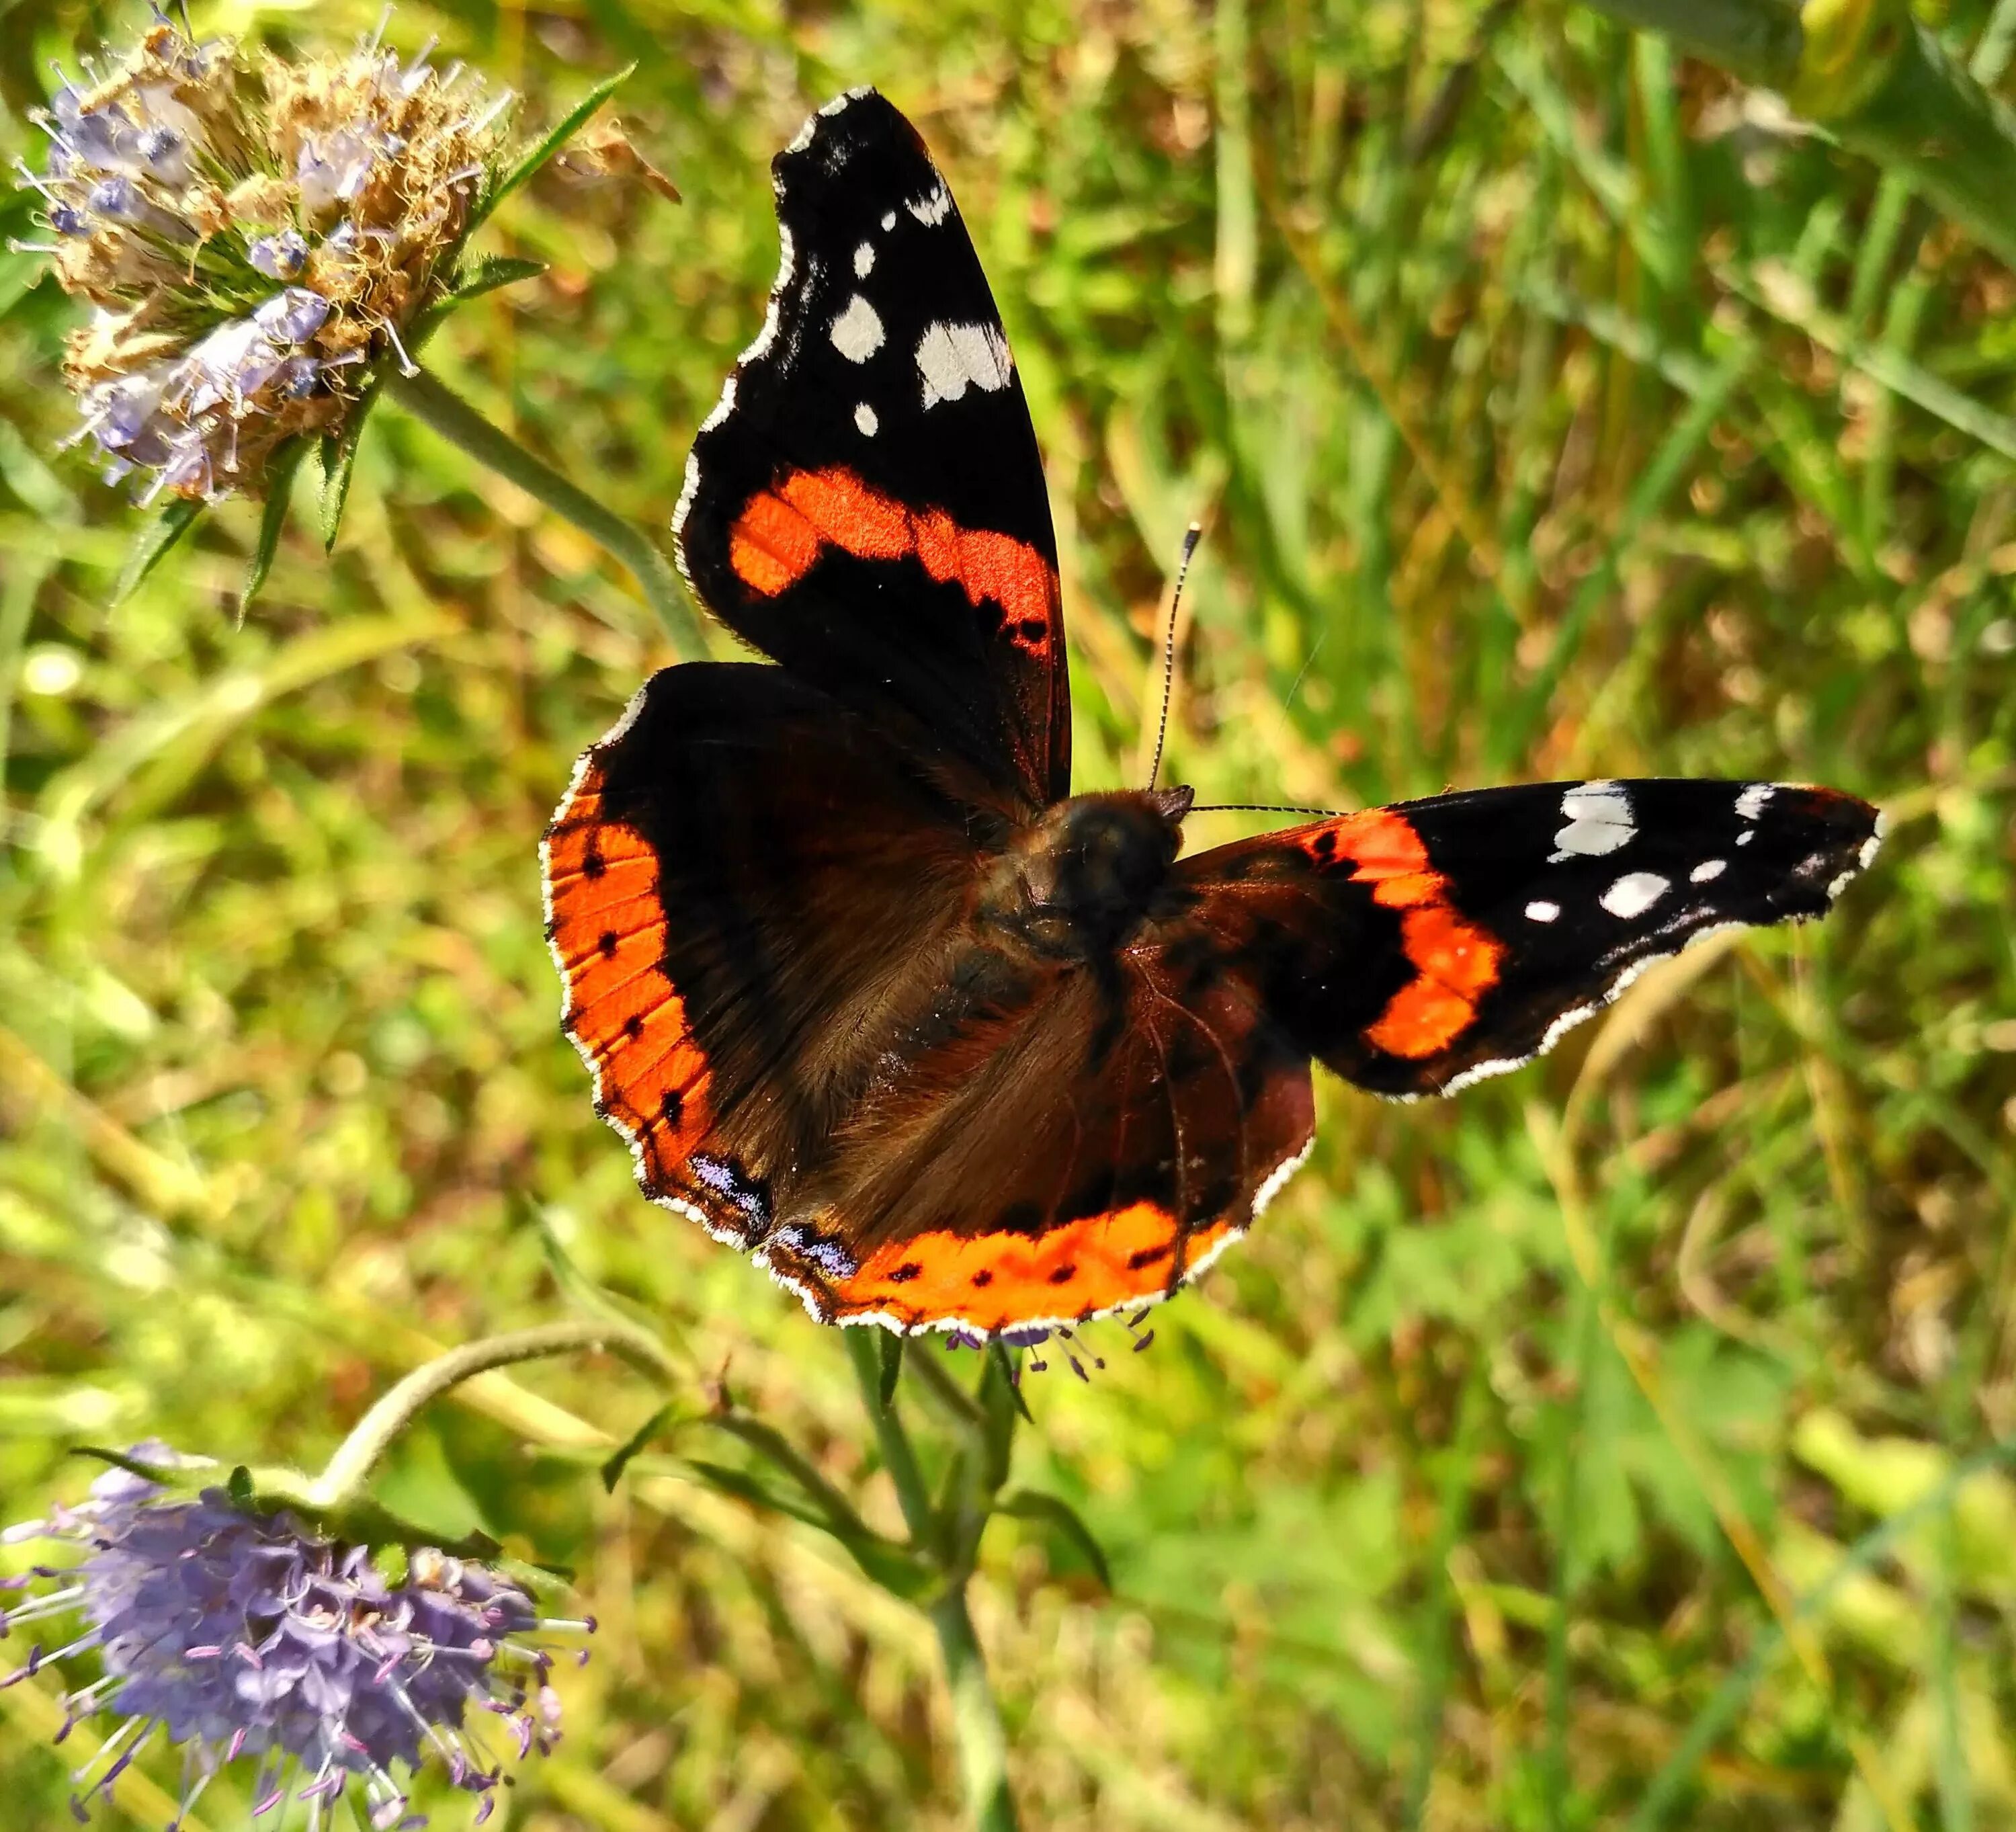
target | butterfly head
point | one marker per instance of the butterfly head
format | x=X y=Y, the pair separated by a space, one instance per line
x=1077 y=883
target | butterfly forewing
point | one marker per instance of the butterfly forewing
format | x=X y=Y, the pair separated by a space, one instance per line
x=1415 y=947
x=867 y=504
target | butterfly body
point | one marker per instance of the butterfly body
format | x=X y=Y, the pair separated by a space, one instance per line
x=876 y=998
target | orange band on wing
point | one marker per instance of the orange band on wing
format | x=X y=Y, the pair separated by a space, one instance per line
x=607 y=929
x=1455 y=960
x=781 y=532
x=993 y=1282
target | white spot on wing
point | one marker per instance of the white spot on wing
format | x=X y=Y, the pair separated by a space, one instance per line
x=864 y=417
x=1750 y=804
x=857 y=332
x=950 y=357
x=932 y=207
x=864 y=261
x=1599 y=821
x=1541 y=911
x=1633 y=894
x=888 y=219
x=1708 y=870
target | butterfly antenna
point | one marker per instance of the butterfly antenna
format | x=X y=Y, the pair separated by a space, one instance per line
x=1191 y=536
x=1264 y=807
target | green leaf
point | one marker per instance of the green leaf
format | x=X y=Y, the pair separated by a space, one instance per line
x=493 y=271
x=1062 y=1518
x=816 y=1503
x=337 y=456
x=555 y=138
x=280 y=469
x=151 y=547
x=889 y=1348
x=1004 y=1369
x=613 y=1469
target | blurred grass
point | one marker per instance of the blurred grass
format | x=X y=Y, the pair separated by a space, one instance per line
x=1576 y=417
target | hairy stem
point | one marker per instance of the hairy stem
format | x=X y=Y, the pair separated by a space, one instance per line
x=436 y=406
x=983 y=1743
x=342 y=1482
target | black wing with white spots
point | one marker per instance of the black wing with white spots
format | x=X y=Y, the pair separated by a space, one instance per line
x=1415 y=948
x=866 y=504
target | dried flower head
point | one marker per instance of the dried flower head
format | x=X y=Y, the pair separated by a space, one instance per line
x=242 y=1634
x=252 y=236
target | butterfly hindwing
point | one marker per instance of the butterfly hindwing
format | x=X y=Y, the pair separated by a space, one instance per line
x=1065 y=1143
x=742 y=877
x=1415 y=948
x=866 y=504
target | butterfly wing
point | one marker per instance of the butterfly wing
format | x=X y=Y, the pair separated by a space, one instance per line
x=866 y=504
x=742 y=877
x=1058 y=1143
x=764 y=916
x=1415 y=948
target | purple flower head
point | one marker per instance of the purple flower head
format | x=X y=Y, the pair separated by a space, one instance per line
x=237 y=1634
x=353 y=172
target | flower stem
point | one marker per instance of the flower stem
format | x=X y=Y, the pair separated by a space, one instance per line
x=342 y=1482
x=983 y=1743
x=430 y=401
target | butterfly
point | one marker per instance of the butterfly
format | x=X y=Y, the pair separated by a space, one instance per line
x=876 y=999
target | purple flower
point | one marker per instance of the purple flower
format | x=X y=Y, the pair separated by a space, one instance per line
x=116 y=198
x=236 y=1634
x=235 y=361
x=299 y=375
x=293 y=316
x=164 y=150
x=279 y=258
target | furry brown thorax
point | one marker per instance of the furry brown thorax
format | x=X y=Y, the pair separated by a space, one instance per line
x=1075 y=884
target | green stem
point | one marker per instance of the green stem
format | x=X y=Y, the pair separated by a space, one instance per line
x=1875 y=79
x=983 y=1743
x=342 y=1482
x=436 y=406
x=899 y=1456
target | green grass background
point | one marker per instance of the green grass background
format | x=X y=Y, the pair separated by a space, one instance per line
x=1571 y=419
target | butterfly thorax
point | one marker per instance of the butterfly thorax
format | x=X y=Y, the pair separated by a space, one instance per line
x=1075 y=884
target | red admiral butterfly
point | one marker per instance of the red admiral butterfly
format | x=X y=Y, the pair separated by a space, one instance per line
x=874 y=998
